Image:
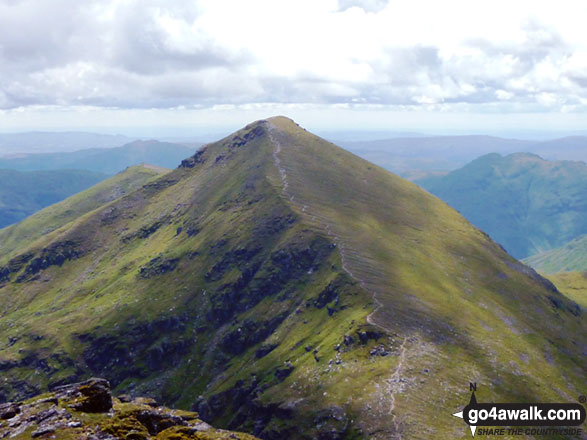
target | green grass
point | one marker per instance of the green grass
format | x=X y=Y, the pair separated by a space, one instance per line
x=435 y=275
x=568 y=258
x=447 y=303
x=573 y=285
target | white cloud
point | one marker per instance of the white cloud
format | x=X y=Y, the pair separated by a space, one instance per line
x=530 y=55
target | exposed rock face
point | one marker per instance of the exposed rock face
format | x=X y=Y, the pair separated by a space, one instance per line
x=91 y=396
x=63 y=413
x=197 y=158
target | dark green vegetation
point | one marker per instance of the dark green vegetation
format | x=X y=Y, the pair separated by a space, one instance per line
x=22 y=193
x=104 y=160
x=527 y=204
x=282 y=286
x=87 y=411
x=570 y=257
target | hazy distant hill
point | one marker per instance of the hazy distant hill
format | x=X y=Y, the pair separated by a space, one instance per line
x=522 y=201
x=39 y=141
x=22 y=193
x=434 y=153
x=282 y=286
x=570 y=257
x=110 y=160
x=59 y=214
x=411 y=156
x=567 y=148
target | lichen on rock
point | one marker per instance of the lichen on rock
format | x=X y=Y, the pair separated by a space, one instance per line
x=87 y=411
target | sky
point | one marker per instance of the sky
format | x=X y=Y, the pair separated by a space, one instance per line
x=132 y=65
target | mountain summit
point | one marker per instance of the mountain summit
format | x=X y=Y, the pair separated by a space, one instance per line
x=280 y=285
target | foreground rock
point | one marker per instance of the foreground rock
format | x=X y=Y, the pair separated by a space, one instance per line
x=87 y=411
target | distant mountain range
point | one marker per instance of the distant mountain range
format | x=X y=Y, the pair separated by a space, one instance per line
x=411 y=156
x=280 y=285
x=40 y=142
x=31 y=182
x=525 y=203
x=59 y=214
x=25 y=192
x=104 y=160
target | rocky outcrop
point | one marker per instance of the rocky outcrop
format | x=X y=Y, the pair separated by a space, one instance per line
x=158 y=266
x=14 y=266
x=92 y=396
x=192 y=161
x=65 y=413
x=53 y=255
x=147 y=347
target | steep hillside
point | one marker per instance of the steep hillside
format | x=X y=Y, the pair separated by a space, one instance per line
x=282 y=286
x=573 y=285
x=104 y=160
x=53 y=217
x=22 y=193
x=527 y=204
x=570 y=257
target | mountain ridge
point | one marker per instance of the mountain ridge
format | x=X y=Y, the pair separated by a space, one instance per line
x=410 y=156
x=105 y=160
x=39 y=141
x=218 y=287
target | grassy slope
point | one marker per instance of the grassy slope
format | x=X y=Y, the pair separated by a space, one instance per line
x=23 y=193
x=570 y=257
x=229 y=203
x=454 y=296
x=525 y=203
x=58 y=215
x=573 y=285
x=454 y=307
